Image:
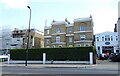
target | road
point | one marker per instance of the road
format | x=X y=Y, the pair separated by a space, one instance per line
x=29 y=70
x=100 y=68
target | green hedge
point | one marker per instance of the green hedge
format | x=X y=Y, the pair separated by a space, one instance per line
x=74 y=54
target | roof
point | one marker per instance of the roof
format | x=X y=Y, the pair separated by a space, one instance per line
x=47 y=27
x=69 y=25
x=59 y=23
x=107 y=33
x=82 y=19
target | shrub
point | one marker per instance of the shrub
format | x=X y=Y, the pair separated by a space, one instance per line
x=74 y=54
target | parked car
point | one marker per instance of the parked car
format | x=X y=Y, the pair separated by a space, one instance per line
x=115 y=57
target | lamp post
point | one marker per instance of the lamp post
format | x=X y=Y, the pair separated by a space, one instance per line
x=7 y=48
x=28 y=37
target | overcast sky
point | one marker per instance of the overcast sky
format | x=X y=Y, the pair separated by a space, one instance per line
x=15 y=14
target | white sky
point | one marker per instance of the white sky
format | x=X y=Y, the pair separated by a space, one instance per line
x=15 y=14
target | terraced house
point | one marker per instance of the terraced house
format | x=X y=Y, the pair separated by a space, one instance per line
x=66 y=34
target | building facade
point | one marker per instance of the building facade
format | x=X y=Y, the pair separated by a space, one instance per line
x=118 y=24
x=20 y=38
x=66 y=34
x=5 y=39
x=106 y=42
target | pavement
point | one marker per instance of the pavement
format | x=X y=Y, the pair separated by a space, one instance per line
x=52 y=65
x=100 y=65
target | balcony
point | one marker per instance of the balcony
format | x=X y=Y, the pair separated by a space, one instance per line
x=18 y=32
x=47 y=36
x=83 y=41
x=83 y=31
x=69 y=34
x=59 y=43
x=59 y=33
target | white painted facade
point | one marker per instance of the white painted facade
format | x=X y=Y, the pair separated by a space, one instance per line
x=106 y=42
x=5 y=38
x=8 y=42
x=16 y=43
x=118 y=23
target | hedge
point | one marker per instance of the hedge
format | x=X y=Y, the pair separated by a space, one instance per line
x=72 y=54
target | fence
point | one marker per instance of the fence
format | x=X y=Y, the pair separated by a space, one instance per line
x=91 y=60
x=5 y=57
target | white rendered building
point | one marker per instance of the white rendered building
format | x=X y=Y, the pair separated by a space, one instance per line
x=5 y=39
x=106 y=42
x=118 y=23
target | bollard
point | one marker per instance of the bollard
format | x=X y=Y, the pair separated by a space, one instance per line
x=44 y=58
x=91 y=57
x=8 y=59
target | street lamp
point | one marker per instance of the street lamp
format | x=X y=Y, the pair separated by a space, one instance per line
x=28 y=38
x=7 y=48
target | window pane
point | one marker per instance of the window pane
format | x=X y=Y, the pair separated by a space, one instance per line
x=60 y=46
x=70 y=39
x=107 y=38
x=70 y=45
x=78 y=45
x=48 y=41
x=47 y=46
x=58 y=39
x=58 y=30
x=111 y=38
x=83 y=28
x=70 y=29
x=48 y=31
x=116 y=38
x=82 y=37
x=53 y=46
x=86 y=44
x=102 y=38
x=97 y=38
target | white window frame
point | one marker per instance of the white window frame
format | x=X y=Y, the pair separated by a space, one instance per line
x=47 y=46
x=57 y=39
x=48 y=41
x=111 y=38
x=86 y=45
x=58 y=30
x=82 y=37
x=60 y=46
x=116 y=38
x=103 y=38
x=107 y=37
x=48 y=31
x=83 y=28
x=70 y=39
x=70 y=46
x=70 y=29
x=78 y=45
x=53 y=46
x=97 y=38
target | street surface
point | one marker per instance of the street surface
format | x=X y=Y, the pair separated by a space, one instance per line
x=102 y=67
x=28 y=70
